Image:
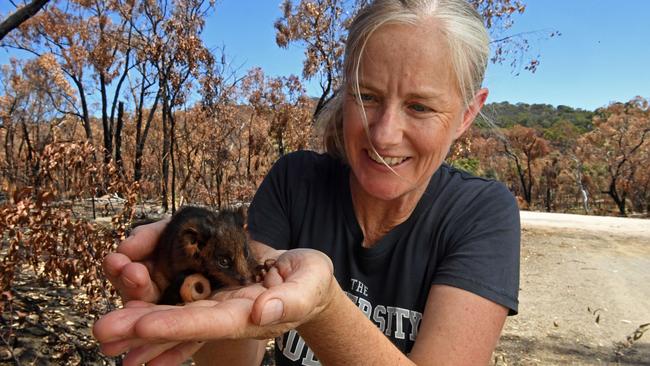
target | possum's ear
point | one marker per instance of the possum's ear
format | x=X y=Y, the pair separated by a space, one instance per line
x=240 y=216
x=190 y=240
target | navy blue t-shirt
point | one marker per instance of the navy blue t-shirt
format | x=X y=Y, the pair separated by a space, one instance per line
x=464 y=232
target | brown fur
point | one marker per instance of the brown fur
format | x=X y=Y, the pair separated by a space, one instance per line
x=198 y=240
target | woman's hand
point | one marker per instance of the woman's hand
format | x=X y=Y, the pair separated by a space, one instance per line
x=295 y=290
x=129 y=269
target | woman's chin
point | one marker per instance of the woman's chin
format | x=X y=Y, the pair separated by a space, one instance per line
x=384 y=188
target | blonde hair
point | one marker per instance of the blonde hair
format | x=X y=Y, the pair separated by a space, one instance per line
x=464 y=32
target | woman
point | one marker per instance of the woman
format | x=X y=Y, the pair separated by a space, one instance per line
x=392 y=257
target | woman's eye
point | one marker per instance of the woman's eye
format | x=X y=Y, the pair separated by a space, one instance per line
x=419 y=108
x=223 y=262
x=365 y=98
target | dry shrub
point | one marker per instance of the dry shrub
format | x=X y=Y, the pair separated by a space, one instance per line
x=48 y=229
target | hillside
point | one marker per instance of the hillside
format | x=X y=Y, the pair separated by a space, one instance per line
x=541 y=116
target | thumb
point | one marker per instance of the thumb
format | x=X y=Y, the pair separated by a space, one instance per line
x=272 y=312
x=295 y=300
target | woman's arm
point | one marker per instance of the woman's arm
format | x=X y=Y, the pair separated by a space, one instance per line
x=244 y=352
x=458 y=328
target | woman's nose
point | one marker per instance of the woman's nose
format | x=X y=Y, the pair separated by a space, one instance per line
x=385 y=127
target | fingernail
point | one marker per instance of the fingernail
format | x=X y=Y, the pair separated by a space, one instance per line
x=128 y=283
x=272 y=312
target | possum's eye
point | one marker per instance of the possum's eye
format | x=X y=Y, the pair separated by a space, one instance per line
x=223 y=262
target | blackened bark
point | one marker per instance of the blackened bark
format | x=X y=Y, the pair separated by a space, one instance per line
x=324 y=98
x=118 y=137
x=529 y=191
x=20 y=16
x=172 y=141
x=619 y=199
x=84 y=108
x=141 y=136
x=165 y=153
x=106 y=124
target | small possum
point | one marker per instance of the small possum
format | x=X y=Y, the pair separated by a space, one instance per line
x=198 y=241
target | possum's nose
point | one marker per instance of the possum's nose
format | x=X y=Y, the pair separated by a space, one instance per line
x=243 y=280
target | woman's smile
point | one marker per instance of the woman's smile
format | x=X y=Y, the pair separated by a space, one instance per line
x=392 y=161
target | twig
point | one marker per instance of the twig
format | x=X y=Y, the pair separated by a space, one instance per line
x=11 y=331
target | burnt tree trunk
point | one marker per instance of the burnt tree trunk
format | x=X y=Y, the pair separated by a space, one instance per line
x=165 y=153
x=118 y=137
x=106 y=124
x=172 y=141
x=84 y=110
x=325 y=97
x=141 y=135
x=619 y=199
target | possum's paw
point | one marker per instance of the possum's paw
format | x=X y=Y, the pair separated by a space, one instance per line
x=262 y=269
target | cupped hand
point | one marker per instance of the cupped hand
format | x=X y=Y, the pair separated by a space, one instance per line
x=128 y=269
x=295 y=290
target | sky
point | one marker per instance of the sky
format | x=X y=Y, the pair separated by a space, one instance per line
x=602 y=55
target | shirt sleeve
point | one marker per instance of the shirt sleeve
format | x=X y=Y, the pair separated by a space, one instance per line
x=483 y=251
x=268 y=214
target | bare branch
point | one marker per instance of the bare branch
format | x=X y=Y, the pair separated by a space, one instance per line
x=20 y=16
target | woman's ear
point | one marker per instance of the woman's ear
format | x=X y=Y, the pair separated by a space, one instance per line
x=472 y=111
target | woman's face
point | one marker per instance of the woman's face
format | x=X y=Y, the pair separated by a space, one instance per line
x=413 y=108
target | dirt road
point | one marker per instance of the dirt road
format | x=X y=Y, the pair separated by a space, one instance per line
x=585 y=287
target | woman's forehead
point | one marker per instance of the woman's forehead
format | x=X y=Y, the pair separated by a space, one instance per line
x=415 y=58
x=427 y=28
